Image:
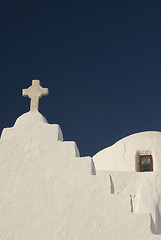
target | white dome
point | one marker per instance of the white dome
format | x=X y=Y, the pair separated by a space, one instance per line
x=123 y=155
x=31 y=117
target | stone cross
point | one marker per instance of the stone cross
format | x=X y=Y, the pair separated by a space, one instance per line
x=35 y=92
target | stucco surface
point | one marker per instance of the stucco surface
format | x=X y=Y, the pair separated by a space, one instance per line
x=49 y=192
x=123 y=155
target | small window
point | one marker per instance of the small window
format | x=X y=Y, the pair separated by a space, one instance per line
x=145 y=163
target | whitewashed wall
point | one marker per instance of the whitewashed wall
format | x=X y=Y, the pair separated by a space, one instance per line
x=124 y=155
x=48 y=192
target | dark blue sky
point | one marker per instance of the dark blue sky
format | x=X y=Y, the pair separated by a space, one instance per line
x=101 y=61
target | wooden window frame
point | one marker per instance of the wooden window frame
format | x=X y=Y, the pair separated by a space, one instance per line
x=151 y=162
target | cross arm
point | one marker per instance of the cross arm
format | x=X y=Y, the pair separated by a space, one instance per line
x=44 y=92
x=25 y=92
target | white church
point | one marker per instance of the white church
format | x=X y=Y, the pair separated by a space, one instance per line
x=49 y=192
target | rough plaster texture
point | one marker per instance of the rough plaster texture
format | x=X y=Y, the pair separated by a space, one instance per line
x=123 y=155
x=143 y=187
x=48 y=192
